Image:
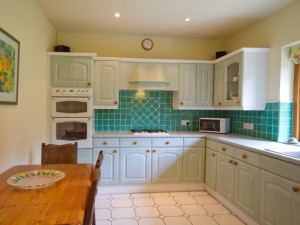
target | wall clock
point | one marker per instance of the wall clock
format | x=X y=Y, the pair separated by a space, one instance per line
x=147 y=44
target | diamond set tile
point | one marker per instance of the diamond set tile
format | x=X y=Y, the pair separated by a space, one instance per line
x=145 y=112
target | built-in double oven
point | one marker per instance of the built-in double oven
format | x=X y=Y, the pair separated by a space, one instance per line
x=71 y=116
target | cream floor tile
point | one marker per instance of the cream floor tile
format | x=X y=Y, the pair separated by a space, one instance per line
x=121 y=202
x=216 y=209
x=160 y=194
x=170 y=211
x=227 y=220
x=151 y=221
x=102 y=203
x=123 y=213
x=103 y=222
x=193 y=210
x=164 y=201
x=202 y=220
x=125 y=222
x=143 y=202
x=102 y=214
x=140 y=195
x=102 y=196
x=206 y=199
x=177 y=221
x=185 y=200
x=147 y=212
x=120 y=195
x=197 y=193
x=179 y=193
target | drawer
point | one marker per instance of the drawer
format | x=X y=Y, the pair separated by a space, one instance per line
x=225 y=149
x=211 y=144
x=281 y=168
x=246 y=156
x=167 y=142
x=106 y=142
x=135 y=142
x=194 y=142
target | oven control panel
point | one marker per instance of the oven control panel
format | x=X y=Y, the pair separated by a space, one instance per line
x=71 y=92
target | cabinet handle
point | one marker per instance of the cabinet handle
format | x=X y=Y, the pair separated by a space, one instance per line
x=104 y=143
x=244 y=156
x=181 y=103
x=154 y=151
x=219 y=103
x=89 y=84
x=213 y=154
x=235 y=163
x=295 y=189
x=230 y=161
x=115 y=102
x=223 y=149
x=167 y=142
x=135 y=142
x=147 y=150
x=238 y=102
x=115 y=151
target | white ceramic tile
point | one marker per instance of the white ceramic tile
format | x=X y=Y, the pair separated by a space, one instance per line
x=143 y=202
x=140 y=195
x=185 y=200
x=164 y=201
x=193 y=210
x=121 y=202
x=102 y=214
x=125 y=222
x=180 y=193
x=147 y=212
x=151 y=221
x=206 y=199
x=102 y=196
x=170 y=211
x=120 y=195
x=196 y=193
x=103 y=222
x=202 y=220
x=227 y=220
x=102 y=203
x=216 y=209
x=160 y=194
x=123 y=213
x=177 y=221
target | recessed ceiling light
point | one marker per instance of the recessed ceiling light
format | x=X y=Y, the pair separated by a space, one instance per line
x=117 y=15
x=187 y=19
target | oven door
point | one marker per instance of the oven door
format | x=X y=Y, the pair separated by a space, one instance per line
x=71 y=107
x=69 y=130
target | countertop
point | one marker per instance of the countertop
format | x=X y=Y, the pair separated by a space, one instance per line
x=286 y=152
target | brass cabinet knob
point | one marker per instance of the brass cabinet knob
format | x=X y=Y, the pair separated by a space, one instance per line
x=135 y=142
x=296 y=189
x=238 y=102
x=115 y=151
x=223 y=149
x=88 y=83
x=154 y=150
x=244 y=156
x=115 y=102
x=213 y=154
x=167 y=142
x=147 y=150
x=235 y=163
x=219 y=103
x=230 y=161
x=181 y=103
x=104 y=143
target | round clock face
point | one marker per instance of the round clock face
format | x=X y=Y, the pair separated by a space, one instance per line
x=147 y=44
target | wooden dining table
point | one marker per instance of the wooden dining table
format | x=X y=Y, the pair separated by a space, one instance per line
x=63 y=202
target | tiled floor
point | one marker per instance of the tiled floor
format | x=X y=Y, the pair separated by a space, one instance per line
x=167 y=208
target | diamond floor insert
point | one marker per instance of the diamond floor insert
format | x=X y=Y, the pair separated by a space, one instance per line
x=167 y=208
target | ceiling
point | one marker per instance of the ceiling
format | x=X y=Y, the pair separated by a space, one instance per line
x=165 y=18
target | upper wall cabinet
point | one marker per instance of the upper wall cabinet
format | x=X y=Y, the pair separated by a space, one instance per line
x=240 y=80
x=195 y=87
x=106 y=85
x=70 y=70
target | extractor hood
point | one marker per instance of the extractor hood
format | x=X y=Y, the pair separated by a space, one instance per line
x=148 y=76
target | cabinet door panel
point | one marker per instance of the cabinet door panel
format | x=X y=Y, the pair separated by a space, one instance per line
x=204 y=91
x=211 y=166
x=218 y=84
x=193 y=165
x=187 y=84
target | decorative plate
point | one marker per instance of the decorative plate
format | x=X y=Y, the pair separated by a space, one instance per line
x=35 y=179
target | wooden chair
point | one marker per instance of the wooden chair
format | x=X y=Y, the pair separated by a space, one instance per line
x=89 y=215
x=99 y=160
x=59 y=154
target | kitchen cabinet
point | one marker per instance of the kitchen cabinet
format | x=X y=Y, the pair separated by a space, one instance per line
x=195 y=86
x=167 y=156
x=243 y=76
x=211 y=163
x=193 y=160
x=135 y=160
x=71 y=70
x=110 y=164
x=106 y=85
x=84 y=155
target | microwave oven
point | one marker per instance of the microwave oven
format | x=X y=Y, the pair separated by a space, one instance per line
x=214 y=125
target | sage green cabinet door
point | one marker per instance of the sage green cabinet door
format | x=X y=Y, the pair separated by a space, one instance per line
x=204 y=85
x=225 y=176
x=280 y=200
x=167 y=165
x=211 y=168
x=110 y=165
x=106 y=85
x=246 y=190
x=84 y=155
x=135 y=166
x=71 y=71
x=218 y=84
x=193 y=165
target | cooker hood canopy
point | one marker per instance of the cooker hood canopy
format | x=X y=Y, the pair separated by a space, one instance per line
x=148 y=76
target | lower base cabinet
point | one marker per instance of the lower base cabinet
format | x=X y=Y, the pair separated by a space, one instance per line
x=84 y=155
x=280 y=200
x=210 y=169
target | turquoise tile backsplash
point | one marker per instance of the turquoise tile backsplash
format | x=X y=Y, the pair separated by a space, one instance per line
x=153 y=109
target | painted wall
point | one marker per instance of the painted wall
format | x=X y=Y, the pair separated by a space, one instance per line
x=276 y=32
x=25 y=126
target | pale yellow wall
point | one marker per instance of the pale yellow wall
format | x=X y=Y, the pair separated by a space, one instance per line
x=24 y=127
x=130 y=46
x=275 y=32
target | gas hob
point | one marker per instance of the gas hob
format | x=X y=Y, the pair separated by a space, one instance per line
x=149 y=132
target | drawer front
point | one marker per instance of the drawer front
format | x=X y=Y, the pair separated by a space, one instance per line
x=106 y=142
x=167 y=142
x=246 y=156
x=194 y=142
x=211 y=144
x=135 y=142
x=225 y=149
x=281 y=168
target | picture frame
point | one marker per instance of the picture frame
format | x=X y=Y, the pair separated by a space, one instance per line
x=9 y=68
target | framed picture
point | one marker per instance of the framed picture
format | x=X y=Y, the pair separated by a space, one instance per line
x=9 y=68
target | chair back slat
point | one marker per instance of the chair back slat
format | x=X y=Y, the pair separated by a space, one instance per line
x=59 y=154
x=99 y=160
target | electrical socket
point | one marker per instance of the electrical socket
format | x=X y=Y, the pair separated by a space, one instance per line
x=248 y=126
x=184 y=122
